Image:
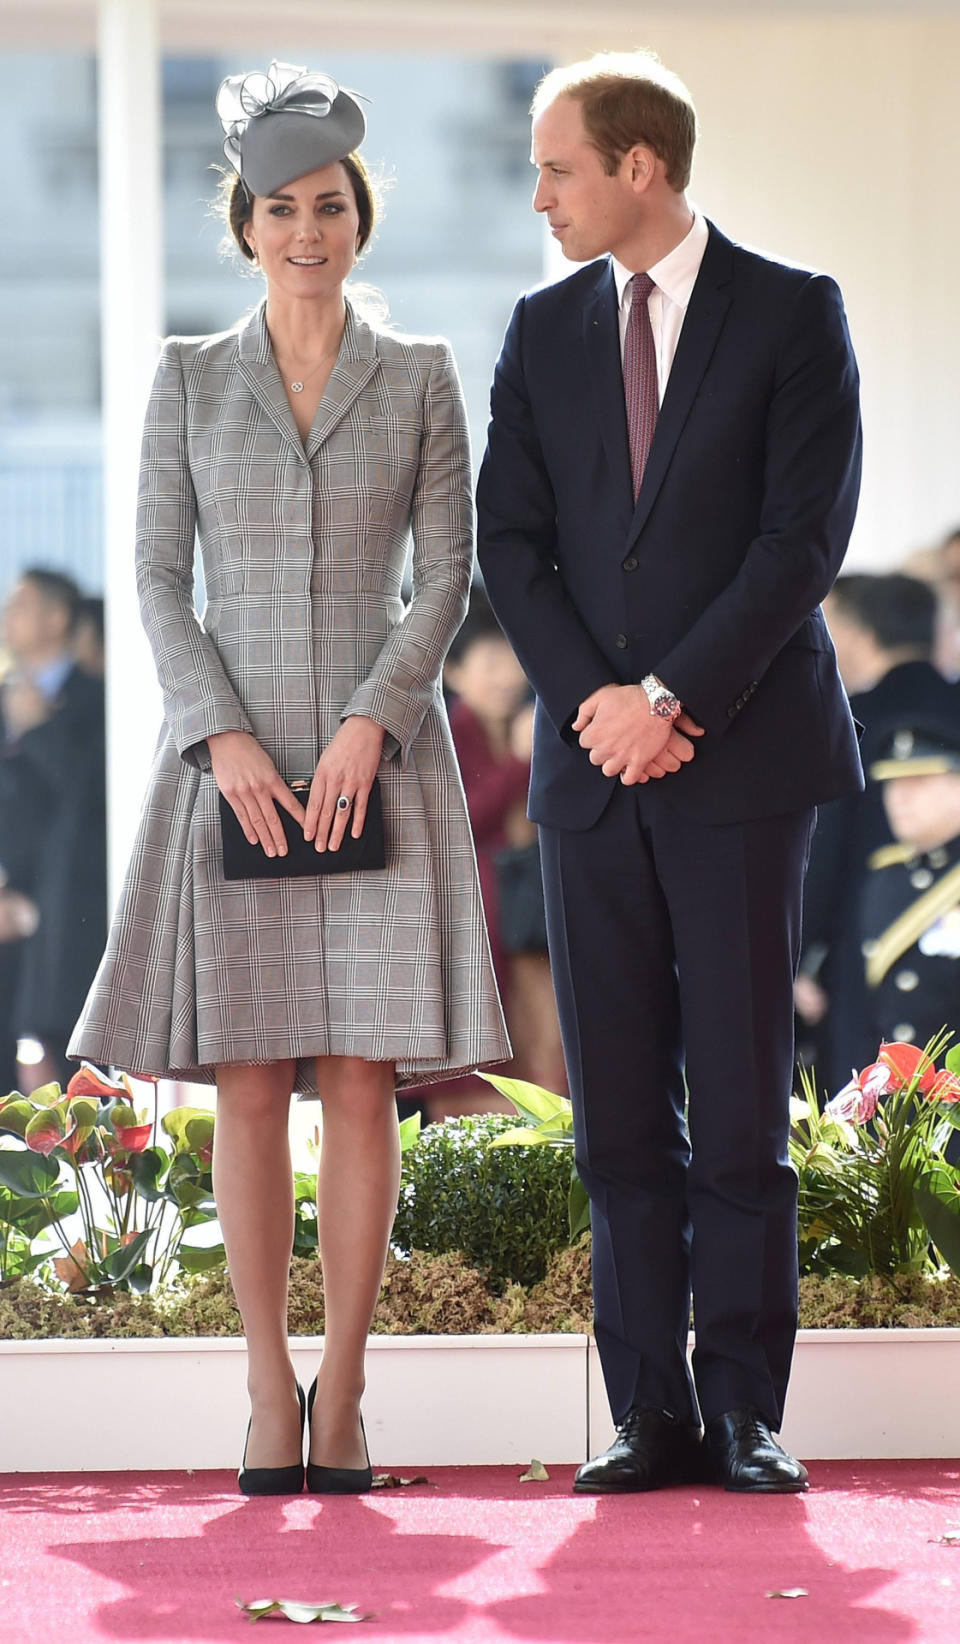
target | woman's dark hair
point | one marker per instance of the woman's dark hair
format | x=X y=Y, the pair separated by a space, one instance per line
x=479 y=623
x=237 y=205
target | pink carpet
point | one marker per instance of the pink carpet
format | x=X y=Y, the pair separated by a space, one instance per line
x=477 y=1556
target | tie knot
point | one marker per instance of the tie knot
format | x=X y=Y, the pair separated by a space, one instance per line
x=640 y=288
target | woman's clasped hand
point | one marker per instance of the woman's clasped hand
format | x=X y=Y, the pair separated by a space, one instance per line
x=251 y=783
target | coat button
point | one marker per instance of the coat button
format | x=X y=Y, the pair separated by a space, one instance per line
x=622 y=642
x=630 y=564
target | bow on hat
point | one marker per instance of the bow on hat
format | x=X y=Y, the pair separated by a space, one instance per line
x=284 y=89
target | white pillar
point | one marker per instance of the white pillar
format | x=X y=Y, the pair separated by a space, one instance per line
x=131 y=307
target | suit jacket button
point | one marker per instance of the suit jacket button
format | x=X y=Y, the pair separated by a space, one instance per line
x=622 y=642
x=630 y=564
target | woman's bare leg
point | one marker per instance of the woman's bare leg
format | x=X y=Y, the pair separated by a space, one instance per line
x=253 y=1186
x=357 y=1187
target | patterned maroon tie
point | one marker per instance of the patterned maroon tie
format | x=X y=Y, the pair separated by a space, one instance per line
x=640 y=378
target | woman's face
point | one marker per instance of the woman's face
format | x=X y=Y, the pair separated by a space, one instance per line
x=305 y=236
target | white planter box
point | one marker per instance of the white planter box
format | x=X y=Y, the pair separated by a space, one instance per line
x=430 y=1401
x=853 y=1394
x=444 y=1400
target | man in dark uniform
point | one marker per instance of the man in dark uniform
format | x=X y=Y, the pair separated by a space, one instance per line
x=910 y=902
x=52 y=821
x=884 y=631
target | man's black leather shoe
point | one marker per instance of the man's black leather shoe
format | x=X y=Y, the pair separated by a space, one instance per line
x=652 y=1448
x=743 y=1455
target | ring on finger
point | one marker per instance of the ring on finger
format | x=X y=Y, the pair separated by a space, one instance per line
x=344 y=803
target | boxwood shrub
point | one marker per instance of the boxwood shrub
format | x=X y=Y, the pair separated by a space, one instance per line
x=504 y=1207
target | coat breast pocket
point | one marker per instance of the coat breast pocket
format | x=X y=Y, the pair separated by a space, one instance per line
x=391 y=452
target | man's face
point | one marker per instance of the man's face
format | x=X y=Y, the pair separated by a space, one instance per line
x=589 y=212
x=923 y=810
x=30 y=622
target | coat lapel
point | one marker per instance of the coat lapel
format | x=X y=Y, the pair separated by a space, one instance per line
x=601 y=337
x=702 y=325
x=355 y=365
x=259 y=370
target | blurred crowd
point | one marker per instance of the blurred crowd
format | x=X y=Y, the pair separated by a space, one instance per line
x=53 y=880
x=881 y=937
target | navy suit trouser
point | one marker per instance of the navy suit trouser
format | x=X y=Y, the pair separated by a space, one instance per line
x=674 y=946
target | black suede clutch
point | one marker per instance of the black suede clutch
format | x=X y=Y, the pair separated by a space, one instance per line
x=241 y=860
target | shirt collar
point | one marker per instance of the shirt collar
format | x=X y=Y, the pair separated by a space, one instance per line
x=51 y=678
x=676 y=273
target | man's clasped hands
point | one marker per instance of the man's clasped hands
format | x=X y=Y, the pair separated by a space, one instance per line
x=621 y=734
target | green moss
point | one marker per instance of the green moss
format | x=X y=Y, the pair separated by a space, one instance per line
x=910 y=1301
x=441 y=1295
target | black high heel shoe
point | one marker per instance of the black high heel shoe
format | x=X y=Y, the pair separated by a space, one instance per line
x=337 y=1481
x=273 y=1481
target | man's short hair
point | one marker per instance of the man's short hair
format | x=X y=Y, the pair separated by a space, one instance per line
x=57 y=589
x=628 y=97
x=899 y=611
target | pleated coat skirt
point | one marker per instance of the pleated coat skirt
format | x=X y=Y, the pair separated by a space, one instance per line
x=303 y=546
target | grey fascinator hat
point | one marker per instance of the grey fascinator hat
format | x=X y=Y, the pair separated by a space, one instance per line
x=285 y=123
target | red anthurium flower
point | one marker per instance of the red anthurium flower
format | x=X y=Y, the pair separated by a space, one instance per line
x=945 y=1088
x=47 y=1130
x=857 y=1101
x=89 y=1081
x=133 y=1138
x=131 y=1132
x=905 y=1060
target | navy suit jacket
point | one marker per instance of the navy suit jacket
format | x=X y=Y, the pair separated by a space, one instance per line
x=713 y=580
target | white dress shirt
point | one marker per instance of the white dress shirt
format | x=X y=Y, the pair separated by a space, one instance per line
x=674 y=277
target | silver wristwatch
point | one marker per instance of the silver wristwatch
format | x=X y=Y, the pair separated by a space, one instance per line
x=662 y=701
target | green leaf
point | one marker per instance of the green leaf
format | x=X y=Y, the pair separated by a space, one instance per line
x=198 y=1132
x=15 y=1115
x=31 y=1175
x=293 y=1610
x=178 y=1122
x=121 y=1262
x=46 y=1095
x=409 y=1132
x=578 y=1208
x=304 y=1187
x=141 y=1278
x=195 y=1258
x=952 y=1060
x=942 y=1223
x=522 y=1136
x=146 y=1169
x=191 y=1196
x=45 y=1131
x=531 y=1101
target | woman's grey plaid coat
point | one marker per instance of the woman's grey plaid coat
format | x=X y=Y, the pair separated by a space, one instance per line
x=303 y=548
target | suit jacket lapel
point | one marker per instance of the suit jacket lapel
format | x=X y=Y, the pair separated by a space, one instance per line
x=601 y=337
x=355 y=365
x=702 y=324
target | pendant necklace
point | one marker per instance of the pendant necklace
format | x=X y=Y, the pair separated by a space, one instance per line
x=296 y=387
